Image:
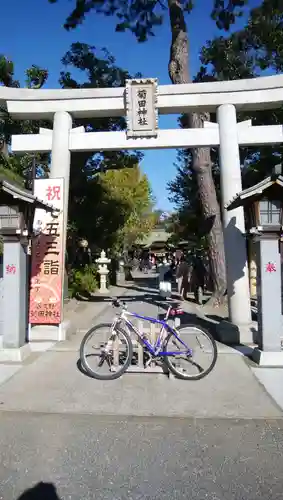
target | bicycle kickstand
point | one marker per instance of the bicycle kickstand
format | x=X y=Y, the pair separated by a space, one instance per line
x=149 y=361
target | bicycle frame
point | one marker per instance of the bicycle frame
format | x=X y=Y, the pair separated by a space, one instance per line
x=154 y=350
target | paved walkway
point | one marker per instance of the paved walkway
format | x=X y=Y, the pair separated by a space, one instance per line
x=52 y=382
x=81 y=314
x=54 y=427
x=88 y=457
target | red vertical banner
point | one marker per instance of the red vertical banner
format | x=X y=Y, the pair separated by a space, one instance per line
x=47 y=259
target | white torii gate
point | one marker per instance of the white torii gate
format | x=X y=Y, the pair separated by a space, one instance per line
x=224 y=98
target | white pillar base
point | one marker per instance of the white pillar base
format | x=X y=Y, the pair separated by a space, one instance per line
x=15 y=355
x=231 y=334
x=42 y=346
x=268 y=359
x=57 y=333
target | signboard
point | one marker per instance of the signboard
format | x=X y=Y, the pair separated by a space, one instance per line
x=47 y=259
x=141 y=108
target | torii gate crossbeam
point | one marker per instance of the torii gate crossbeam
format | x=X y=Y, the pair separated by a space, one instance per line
x=224 y=98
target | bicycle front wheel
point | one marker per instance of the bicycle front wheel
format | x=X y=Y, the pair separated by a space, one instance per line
x=106 y=354
x=191 y=353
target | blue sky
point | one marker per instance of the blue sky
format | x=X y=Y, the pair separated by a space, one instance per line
x=32 y=33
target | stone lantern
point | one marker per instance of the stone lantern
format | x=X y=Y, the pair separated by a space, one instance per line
x=103 y=271
x=263 y=206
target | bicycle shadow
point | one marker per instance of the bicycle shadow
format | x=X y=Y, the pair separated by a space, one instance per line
x=133 y=363
x=81 y=369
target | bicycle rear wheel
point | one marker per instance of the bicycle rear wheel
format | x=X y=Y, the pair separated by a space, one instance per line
x=199 y=362
x=106 y=354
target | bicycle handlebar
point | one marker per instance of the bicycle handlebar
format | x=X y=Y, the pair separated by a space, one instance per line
x=171 y=311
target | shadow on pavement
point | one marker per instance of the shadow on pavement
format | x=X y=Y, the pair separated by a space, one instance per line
x=41 y=491
x=140 y=284
x=82 y=370
x=201 y=321
x=151 y=295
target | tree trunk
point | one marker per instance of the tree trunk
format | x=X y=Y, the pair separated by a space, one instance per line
x=201 y=160
x=4 y=148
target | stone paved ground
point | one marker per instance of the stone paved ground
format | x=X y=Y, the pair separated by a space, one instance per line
x=88 y=457
x=54 y=428
x=82 y=313
x=53 y=383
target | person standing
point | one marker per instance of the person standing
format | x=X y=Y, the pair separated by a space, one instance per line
x=198 y=278
x=164 y=279
x=182 y=276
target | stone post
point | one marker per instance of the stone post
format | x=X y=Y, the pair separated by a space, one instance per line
x=103 y=271
x=15 y=322
x=234 y=224
x=269 y=301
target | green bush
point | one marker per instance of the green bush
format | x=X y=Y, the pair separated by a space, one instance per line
x=83 y=281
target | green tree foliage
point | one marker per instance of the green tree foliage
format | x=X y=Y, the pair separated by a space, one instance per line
x=35 y=76
x=188 y=222
x=99 y=210
x=246 y=53
x=111 y=210
x=131 y=189
x=142 y=18
x=161 y=218
x=19 y=167
x=253 y=51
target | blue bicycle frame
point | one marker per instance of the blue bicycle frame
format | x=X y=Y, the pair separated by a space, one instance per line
x=154 y=350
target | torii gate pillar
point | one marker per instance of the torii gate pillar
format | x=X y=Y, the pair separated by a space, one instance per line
x=234 y=230
x=61 y=157
x=60 y=169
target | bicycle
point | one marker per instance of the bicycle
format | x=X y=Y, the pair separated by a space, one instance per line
x=116 y=353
